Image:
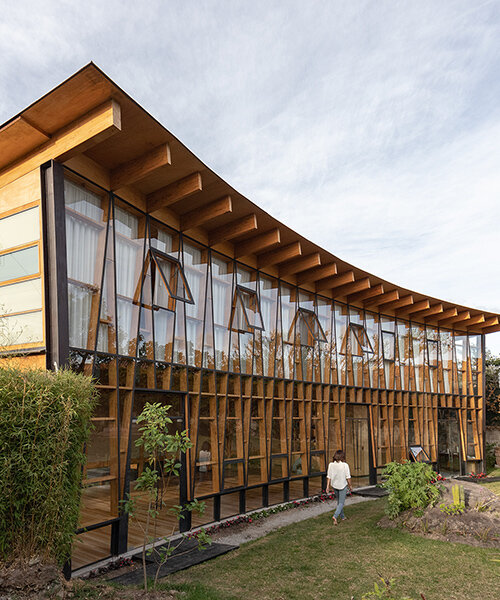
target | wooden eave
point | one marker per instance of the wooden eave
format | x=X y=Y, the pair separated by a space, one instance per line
x=142 y=136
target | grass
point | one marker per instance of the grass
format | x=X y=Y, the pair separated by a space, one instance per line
x=313 y=559
x=494 y=486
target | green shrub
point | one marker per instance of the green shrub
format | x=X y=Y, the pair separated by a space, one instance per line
x=409 y=485
x=491 y=459
x=44 y=423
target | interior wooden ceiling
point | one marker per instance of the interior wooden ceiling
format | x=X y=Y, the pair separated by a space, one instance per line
x=299 y=261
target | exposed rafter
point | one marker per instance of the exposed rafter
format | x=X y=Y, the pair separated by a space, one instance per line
x=432 y=310
x=207 y=213
x=178 y=190
x=138 y=168
x=300 y=264
x=327 y=283
x=463 y=316
x=475 y=320
x=490 y=322
x=258 y=243
x=233 y=230
x=376 y=290
x=383 y=299
x=395 y=304
x=275 y=257
x=315 y=274
x=446 y=314
x=350 y=288
x=413 y=308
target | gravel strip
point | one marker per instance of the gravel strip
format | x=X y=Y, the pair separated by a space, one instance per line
x=246 y=532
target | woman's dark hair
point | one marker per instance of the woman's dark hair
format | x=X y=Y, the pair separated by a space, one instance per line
x=339 y=456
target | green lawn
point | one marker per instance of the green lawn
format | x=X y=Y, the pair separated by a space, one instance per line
x=313 y=559
x=494 y=486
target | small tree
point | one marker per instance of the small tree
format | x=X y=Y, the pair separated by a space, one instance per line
x=163 y=450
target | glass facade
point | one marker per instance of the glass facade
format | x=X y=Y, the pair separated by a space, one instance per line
x=269 y=379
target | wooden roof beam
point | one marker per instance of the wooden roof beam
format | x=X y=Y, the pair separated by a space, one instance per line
x=258 y=243
x=491 y=329
x=300 y=264
x=351 y=288
x=328 y=283
x=376 y=290
x=85 y=132
x=488 y=323
x=173 y=192
x=138 y=168
x=206 y=213
x=315 y=274
x=275 y=257
x=463 y=316
x=418 y=306
x=395 y=304
x=232 y=230
x=432 y=310
x=382 y=299
x=475 y=320
x=447 y=314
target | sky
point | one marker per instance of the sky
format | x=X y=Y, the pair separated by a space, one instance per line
x=371 y=128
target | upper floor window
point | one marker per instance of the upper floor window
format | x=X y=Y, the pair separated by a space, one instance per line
x=356 y=340
x=307 y=328
x=168 y=280
x=245 y=314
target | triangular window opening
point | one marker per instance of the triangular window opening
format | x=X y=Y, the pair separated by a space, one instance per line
x=245 y=314
x=307 y=328
x=358 y=341
x=168 y=281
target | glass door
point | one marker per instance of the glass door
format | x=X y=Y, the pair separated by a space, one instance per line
x=448 y=441
x=357 y=443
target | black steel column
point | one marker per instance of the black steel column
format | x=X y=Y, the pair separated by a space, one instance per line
x=286 y=491
x=55 y=266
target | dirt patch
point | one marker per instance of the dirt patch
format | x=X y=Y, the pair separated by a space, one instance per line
x=41 y=581
x=102 y=591
x=478 y=525
x=35 y=579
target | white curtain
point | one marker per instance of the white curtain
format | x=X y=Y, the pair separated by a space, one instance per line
x=83 y=228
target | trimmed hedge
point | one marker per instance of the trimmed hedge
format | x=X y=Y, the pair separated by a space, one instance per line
x=44 y=424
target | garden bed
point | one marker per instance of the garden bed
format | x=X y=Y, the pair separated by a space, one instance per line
x=477 y=525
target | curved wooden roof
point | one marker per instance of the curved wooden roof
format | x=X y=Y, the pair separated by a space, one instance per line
x=144 y=163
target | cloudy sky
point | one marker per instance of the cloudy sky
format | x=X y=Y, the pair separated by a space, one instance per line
x=372 y=128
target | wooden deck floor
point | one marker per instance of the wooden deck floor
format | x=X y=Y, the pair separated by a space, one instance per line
x=94 y=545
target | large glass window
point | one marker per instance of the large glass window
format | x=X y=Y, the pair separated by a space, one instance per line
x=86 y=236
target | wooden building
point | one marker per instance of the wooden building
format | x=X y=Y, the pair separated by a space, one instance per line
x=124 y=256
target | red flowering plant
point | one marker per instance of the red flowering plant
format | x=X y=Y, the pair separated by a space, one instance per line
x=477 y=475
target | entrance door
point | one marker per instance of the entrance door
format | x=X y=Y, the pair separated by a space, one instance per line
x=166 y=523
x=448 y=441
x=357 y=443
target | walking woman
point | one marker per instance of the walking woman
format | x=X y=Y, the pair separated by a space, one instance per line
x=339 y=480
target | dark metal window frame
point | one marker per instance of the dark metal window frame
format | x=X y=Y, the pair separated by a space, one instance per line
x=239 y=292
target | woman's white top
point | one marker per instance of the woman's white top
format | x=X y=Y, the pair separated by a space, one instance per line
x=338 y=474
